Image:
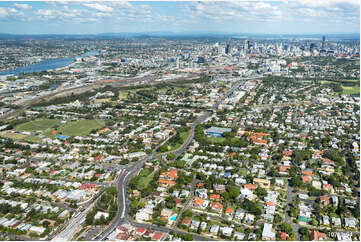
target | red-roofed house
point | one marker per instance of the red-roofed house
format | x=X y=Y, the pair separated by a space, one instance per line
x=316 y=235
x=285 y=168
x=186 y=222
x=122 y=229
x=307 y=173
x=251 y=186
x=88 y=186
x=122 y=236
x=284 y=236
x=214 y=196
x=287 y=152
x=157 y=236
x=328 y=187
x=270 y=204
x=324 y=200
x=306 y=179
x=217 y=206
x=140 y=231
x=99 y=157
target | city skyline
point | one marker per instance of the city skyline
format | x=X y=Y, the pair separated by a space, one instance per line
x=252 y=17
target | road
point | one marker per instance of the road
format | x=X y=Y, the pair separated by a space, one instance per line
x=136 y=81
x=126 y=175
x=187 y=205
x=288 y=219
x=168 y=230
x=122 y=184
x=68 y=233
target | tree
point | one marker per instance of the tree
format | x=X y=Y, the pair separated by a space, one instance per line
x=296 y=181
x=163 y=148
x=89 y=218
x=187 y=213
x=188 y=237
x=286 y=227
x=233 y=192
x=171 y=156
x=46 y=223
x=261 y=192
x=277 y=218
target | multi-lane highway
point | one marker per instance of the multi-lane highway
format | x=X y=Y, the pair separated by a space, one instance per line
x=125 y=176
x=68 y=233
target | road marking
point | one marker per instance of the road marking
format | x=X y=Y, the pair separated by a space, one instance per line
x=124 y=203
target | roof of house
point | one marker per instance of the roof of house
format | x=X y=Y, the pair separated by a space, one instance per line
x=284 y=236
x=270 y=204
x=316 y=235
x=324 y=198
x=229 y=210
x=157 y=236
x=186 y=221
x=215 y=196
x=216 y=205
x=306 y=179
x=198 y=201
x=308 y=173
x=166 y=181
x=141 y=230
x=251 y=186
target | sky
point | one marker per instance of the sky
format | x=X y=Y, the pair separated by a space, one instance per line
x=252 y=17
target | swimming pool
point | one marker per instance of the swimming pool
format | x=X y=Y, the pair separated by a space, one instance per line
x=174 y=217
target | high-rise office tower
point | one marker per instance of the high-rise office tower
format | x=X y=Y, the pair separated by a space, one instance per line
x=228 y=46
x=246 y=44
x=323 y=41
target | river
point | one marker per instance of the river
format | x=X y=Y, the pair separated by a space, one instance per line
x=47 y=65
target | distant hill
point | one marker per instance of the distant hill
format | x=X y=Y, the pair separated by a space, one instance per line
x=189 y=34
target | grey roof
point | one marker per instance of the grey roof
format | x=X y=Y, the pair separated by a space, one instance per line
x=218 y=130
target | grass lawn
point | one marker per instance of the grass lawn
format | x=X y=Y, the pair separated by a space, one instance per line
x=144 y=181
x=33 y=139
x=123 y=94
x=222 y=83
x=139 y=89
x=325 y=82
x=181 y=88
x=218 y=140
x=164 y=90
x=184 y=135
x=81 y=127
x=23 y=137
x=102 y=100
x=351 y=90
x=243 y=171
x=38 y=125
x=328 y=82
x=144 y=172
x=357 y=81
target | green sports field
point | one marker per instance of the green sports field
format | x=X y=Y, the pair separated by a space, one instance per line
x=351 y=90
x=81 y=127
x=22 y=137
x=38 y=125
x=123 y=95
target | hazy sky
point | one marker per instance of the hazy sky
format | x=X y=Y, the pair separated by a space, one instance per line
x=84 y=17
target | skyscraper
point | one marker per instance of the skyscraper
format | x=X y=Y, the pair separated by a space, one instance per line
x=246 y=44
x=323 y=41
x=228 y=46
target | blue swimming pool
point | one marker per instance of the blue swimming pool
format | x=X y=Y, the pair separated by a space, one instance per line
x=174 y=217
